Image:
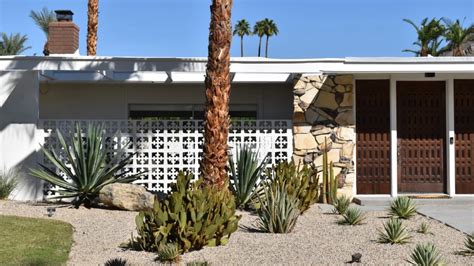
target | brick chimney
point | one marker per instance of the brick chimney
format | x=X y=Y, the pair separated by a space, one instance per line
x=63 y=35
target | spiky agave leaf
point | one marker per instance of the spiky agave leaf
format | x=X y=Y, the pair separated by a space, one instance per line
x=426 y=255
x=393 y=232
x=468 y=245
x=168 y=253
x=246 y=176
x=341 y=204
x=352 y=216
x=85 y=167
x=278 y=210
x=402 y=207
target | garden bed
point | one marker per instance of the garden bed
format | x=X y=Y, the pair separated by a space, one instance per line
x=316 y=239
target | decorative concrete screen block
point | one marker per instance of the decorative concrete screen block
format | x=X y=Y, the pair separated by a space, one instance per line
x=164 y=147
x=325 y=104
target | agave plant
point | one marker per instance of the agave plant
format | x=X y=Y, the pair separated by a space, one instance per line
x=278 y=210
x=468 y=245
x=402 y=207
x=246 y=176
x=352 y=216
x=169 y=253
x=85 y=168
x=8 y=182
x=341 y=204
x=116 y=262
x=424 y=228
x=425 y=255
x=394 y=232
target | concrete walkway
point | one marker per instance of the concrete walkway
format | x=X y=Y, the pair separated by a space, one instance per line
x=456 y=212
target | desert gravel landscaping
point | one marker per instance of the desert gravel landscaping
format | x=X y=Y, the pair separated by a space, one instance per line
x=317 y=239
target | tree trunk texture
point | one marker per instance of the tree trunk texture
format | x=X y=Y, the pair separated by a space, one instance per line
x=216 y=128
x=266 y=47
x=259 y=46
x=92 y=25
x=241 y=46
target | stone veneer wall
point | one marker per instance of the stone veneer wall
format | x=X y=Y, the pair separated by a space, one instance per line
x=323 y=109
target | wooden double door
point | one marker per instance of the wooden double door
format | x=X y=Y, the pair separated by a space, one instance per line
x=421 y=132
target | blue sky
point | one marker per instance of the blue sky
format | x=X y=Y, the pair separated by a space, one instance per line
x=179 y=28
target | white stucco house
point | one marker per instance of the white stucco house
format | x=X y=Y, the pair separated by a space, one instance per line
x=393 y=125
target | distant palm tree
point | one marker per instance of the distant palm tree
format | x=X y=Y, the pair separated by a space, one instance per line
x=270 y=29
x=13 y=44
x=428 y=33
x=42 y=19
x=456 y=36
x=92 y=25
x=242 y=28
x=259 y=30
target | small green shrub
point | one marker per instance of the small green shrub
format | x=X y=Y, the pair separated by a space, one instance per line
x=192 y=216
x=168 y=253
x=394 y=232
x=116 y=262
x=86 y=168
x=402 y=207
x=278 y=210
x=246 y=176
x=468 y=245
x=352 y=216
x=8 y=182
x=425 y=255
x=424 y=228
x=341 y=204
x=300 y=182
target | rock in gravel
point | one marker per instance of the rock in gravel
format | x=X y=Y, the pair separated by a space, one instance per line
x=126 y=197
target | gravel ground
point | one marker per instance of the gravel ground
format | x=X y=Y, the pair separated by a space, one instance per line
x=317 y=239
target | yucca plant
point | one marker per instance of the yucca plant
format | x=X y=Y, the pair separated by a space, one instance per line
x=425 y=255
x=393 y=232
x=8 y=182
x=278 y=210
x=402 y=207
x=85 y=168
x=245 y=177
x=168 y=253
x=468 y=245
x=352 y=216
x=424 y=228
x=341 y=204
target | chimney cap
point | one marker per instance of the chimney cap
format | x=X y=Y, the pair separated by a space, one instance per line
x=64 y=15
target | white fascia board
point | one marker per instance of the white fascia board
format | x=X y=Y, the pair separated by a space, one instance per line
x=187 y=77
x=140 y=76
x=260 y=77
x=392 y=68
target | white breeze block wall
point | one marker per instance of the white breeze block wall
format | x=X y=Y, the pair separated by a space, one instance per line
x=19 y=144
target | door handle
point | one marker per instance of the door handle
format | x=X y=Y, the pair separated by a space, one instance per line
x=398 y=150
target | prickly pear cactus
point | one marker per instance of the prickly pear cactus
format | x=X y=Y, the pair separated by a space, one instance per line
x=191 y=217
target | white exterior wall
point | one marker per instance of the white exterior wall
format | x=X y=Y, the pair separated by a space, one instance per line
x=19 y=143
x=111 y=101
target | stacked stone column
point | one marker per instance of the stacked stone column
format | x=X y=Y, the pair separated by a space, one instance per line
x=323 y=113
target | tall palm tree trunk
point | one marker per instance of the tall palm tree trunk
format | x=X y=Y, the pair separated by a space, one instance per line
x=92 y=24
x=266 y=47
x=216 y=128
x=259 y=46
x=241 y=46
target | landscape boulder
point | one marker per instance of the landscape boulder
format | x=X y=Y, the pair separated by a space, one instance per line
x=126 y=197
